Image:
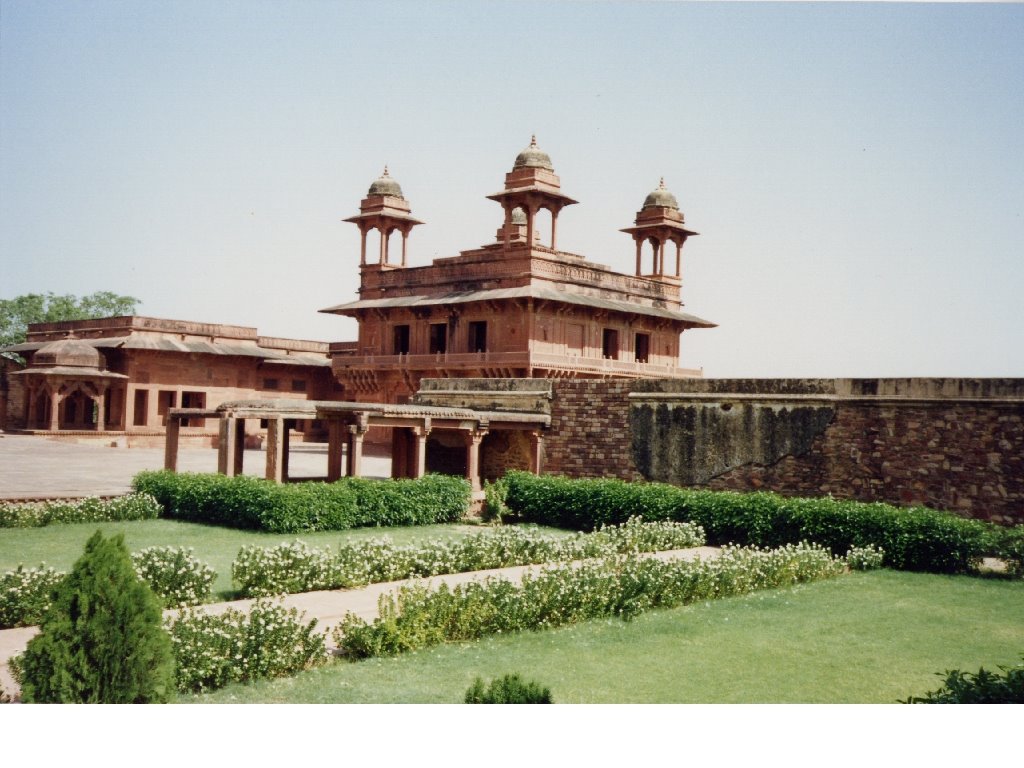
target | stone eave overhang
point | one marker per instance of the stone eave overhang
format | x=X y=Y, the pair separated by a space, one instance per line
x=530 y=291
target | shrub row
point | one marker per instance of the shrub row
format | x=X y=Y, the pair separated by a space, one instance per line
x=35 y=514
x=176 y=577
x=270 y=641
x=253 y=503
x=914 y=539
x=296 y=567
x=510 y=689
x=417 y=617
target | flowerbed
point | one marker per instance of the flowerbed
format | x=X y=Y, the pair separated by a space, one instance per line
x=35 y=514
x=269 y=641
x=914 y=539
x=296 y=567
x=176 y=577
x=619 y=586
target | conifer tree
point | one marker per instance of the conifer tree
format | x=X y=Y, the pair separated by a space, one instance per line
x=101 y=642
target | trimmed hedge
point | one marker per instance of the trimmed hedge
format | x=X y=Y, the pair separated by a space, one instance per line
x=914 y=539
x=253 y=503
x=36 y=514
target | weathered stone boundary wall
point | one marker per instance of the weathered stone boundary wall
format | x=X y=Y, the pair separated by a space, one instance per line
x=953 y=444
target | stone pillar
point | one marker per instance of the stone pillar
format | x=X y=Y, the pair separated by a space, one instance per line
x=554 y=229
x=530 y=213
x=226 y=446
x=30 y=406
x=473 y=439
x=536 y=451
x=679 y=258
x=419 y=458
x=334 y=449
x=101 y=409
x=239 y=446
x=355 y=449
x=54 y=411
x=362 y=245
x=171 y=445
x=286 y=447
x=639 y=250
x=383 y=244
x=661 y=257
x=275 y=450
x=508 y=225
x=405 y=239
x=129 y=407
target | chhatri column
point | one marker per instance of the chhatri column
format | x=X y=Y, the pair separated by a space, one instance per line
x=101 y=409
x=554 y=230
x=639 y=251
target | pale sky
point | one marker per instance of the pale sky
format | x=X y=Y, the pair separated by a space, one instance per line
x=856 y=171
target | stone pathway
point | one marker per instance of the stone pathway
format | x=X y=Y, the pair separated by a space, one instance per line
x=32 y=466
x=330 y=606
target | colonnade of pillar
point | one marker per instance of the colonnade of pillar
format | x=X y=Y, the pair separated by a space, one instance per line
x=57 y=396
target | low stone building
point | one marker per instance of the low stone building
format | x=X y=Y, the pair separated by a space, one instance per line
x=122 y=375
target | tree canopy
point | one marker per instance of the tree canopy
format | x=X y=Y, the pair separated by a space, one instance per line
x=17 y=313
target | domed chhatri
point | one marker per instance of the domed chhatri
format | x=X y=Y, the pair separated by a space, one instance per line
x=533 y=157
x=386 y=186
x=661 y=198
x=68 y=353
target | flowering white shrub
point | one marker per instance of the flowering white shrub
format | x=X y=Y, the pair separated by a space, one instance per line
x=865 y=558
x=134 y=506
x=296 y=567
x=269 y=641
x=25 y=595
x=177 y=577
x=417 y=617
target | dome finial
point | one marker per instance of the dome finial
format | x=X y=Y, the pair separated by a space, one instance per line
x=533 y=139
x=385 y=170
x=661 y=184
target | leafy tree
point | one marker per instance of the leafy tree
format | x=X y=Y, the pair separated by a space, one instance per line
x=102 y=641
x=17 y=313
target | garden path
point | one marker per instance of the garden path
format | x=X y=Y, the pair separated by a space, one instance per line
x=328 y=607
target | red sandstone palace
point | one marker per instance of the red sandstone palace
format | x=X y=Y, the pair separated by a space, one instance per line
x=516 y=308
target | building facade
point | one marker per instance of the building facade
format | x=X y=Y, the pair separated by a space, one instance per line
x=518 y=307
x=124 y=374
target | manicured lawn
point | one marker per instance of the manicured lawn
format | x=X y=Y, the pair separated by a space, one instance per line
x=868 y=637
x=61 y=545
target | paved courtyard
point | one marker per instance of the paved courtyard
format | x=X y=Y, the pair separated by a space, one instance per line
x=32 y=466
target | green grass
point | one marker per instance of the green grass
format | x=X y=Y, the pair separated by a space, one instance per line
x=864 y=638
x=61 y=545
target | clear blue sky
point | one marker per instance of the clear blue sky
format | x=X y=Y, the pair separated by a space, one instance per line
x=856 y=171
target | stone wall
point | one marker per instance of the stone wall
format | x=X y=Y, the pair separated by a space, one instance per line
x=953 y=444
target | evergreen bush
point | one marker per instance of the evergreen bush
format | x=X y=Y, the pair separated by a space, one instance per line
x=101 y=641
x=510 y=689
x=982 y=688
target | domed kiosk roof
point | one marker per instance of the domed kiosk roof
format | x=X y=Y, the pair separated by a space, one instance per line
x=661 y=198
x=533 y=157
x=385 y=185
x=67 y=353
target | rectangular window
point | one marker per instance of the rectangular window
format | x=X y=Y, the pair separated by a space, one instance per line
x=610 y=344
x=166 y=399
x=270 y=384
x=478 y=336
x=438 y=338
x=643 y=347
x=141 y=407
x=193 y=400
x=298 y=385
x=400 y=340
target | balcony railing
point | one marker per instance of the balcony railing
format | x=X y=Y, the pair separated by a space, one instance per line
x=577 y=363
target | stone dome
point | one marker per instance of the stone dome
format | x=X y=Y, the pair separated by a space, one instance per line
x=72 y=353
x=661 y=198
x=532 y=157
x=385 y=185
